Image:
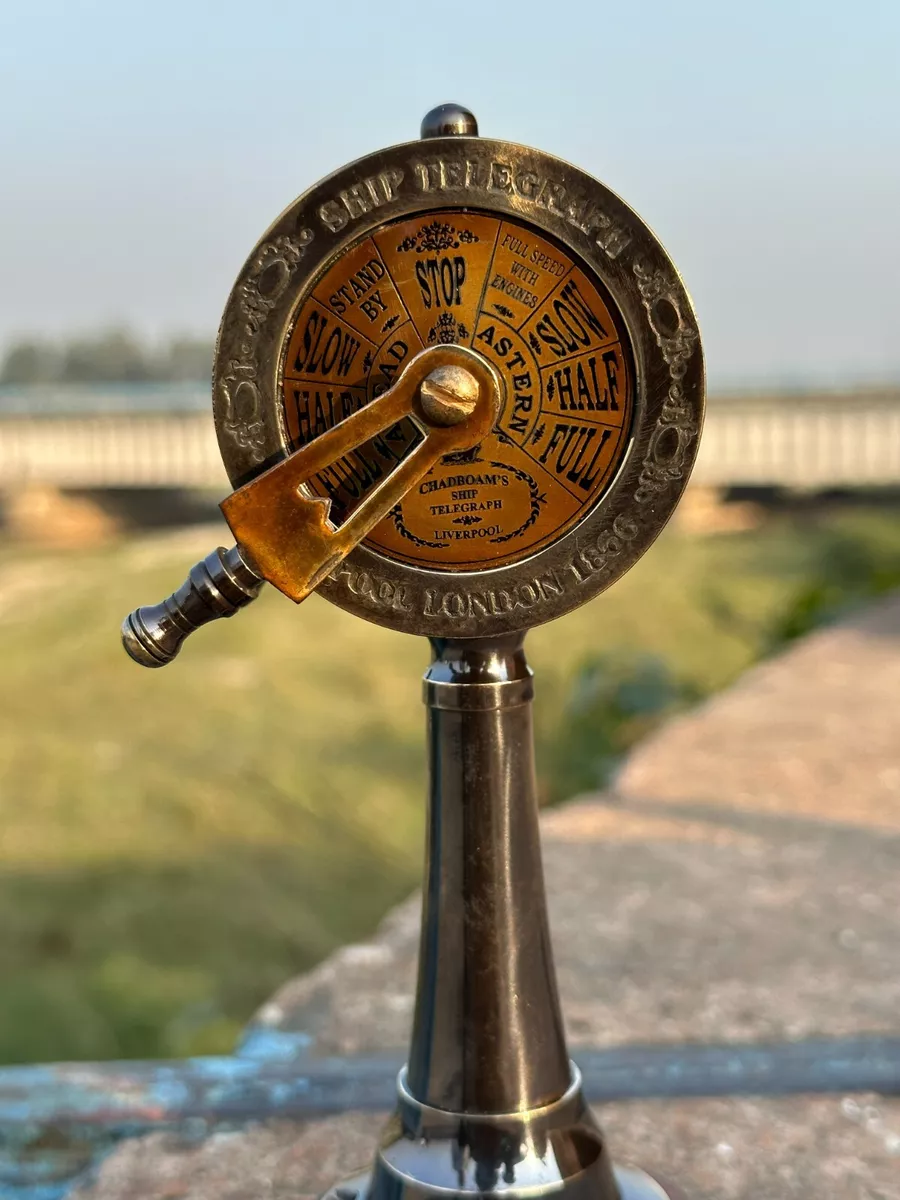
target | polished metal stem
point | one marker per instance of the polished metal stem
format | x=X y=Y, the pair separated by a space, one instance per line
x=488 y=1034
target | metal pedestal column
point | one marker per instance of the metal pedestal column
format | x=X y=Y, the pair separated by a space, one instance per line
x=489 y=1101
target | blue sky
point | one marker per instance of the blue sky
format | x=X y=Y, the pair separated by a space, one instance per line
x=144 y=148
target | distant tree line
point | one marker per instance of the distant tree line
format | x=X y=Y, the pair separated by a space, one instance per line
x=113 y=356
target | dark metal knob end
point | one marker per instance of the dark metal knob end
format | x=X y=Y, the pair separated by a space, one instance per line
x=216 y=587
x=449 y=120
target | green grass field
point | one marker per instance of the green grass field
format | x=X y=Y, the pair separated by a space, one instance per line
x=174 y=844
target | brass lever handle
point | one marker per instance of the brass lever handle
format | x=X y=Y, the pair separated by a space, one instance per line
x=284 y=535
x=451 y=393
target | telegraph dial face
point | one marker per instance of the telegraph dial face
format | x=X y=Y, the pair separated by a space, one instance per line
x=544 y=321
x=561 y=287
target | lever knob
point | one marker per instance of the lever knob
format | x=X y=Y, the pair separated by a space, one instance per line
x=216 y=587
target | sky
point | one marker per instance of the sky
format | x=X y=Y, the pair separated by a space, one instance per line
x=145 y=147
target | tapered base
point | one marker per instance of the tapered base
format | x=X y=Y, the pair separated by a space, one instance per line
x=632 y=1185
x=554 y=1151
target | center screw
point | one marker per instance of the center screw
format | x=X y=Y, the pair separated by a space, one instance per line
x=449 y=395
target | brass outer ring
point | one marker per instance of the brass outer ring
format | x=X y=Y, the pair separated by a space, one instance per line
x=598 y=229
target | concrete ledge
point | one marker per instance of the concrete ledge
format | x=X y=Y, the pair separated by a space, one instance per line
x=742 y=882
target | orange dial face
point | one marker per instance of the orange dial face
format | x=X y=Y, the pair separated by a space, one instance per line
x=522 y=302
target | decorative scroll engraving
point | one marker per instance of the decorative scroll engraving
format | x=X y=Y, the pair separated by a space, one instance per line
x=670 y=442
x=446 y=330
x=259 y=292
x=436 y=237
x=242 y=422
x=270 y=274
x=537 y=497
x=397 y=517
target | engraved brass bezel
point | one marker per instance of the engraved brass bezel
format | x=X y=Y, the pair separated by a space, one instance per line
x=601 y=232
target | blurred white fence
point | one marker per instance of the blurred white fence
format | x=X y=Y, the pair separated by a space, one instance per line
x=112 y=450
x=803 y=442
x=808 y=443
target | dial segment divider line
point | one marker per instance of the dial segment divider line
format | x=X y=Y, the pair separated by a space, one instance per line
x=479 y=309
x=523 y=448
x=582 y=499
x=546 y=299
x=290 y=383
x=616 y=340
x=364 y=386
x=409 y=316
x=578 y=416
x=311 y=299
x=480 y=313
x=552 y=480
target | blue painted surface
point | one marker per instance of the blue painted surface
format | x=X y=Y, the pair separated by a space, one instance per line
x=274 y=1045
x=58 y=1122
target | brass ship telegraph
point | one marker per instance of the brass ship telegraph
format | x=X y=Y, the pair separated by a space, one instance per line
x=458 y=390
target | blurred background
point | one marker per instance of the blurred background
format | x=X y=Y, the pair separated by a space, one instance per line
x=173 y=845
